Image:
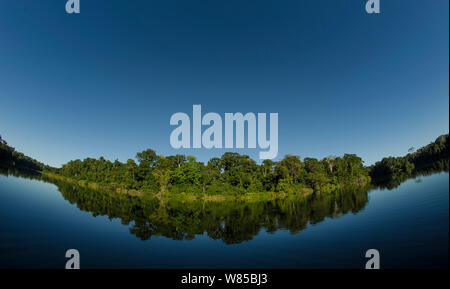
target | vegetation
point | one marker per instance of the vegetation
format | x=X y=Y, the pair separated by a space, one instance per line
x=12 y=159
x=230 y=198
x=393 y=170
x=234 y=175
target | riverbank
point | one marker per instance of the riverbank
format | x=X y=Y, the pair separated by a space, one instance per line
x=178 y=196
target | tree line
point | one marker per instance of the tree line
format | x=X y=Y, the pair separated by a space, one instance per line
x=12 y=159
x=235 y=174
x=231 y=174
x=432 y=157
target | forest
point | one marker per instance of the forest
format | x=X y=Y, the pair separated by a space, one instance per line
x=12 y=159
x=233 y=174
x=430 y=158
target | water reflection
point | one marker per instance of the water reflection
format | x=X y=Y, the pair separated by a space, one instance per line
x=26 y=174
x=396 y=180
x=230 y=221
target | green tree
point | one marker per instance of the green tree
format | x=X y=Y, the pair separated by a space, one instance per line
x=147 y=158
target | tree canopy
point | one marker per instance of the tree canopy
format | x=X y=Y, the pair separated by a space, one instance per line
x=236 y=174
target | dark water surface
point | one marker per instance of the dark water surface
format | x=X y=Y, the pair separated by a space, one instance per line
x=409 y=226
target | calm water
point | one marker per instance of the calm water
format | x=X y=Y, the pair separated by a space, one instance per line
x=40 y=221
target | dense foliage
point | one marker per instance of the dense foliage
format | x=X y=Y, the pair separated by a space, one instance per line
x=10 y=158
x=433 y=157
x=231 y=174
x=237 y=175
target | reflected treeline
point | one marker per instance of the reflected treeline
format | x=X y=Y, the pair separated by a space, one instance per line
x=231 y=221
x=23 y=173
x=397 y=180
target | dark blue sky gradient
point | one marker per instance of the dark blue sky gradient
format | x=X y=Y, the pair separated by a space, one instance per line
x=106 y=81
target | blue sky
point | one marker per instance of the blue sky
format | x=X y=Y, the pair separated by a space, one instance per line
x=105 y=82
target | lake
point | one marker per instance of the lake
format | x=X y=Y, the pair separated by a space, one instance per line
x=408 y=225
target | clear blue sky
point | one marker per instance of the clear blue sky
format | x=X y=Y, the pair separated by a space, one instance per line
x=105 y=82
